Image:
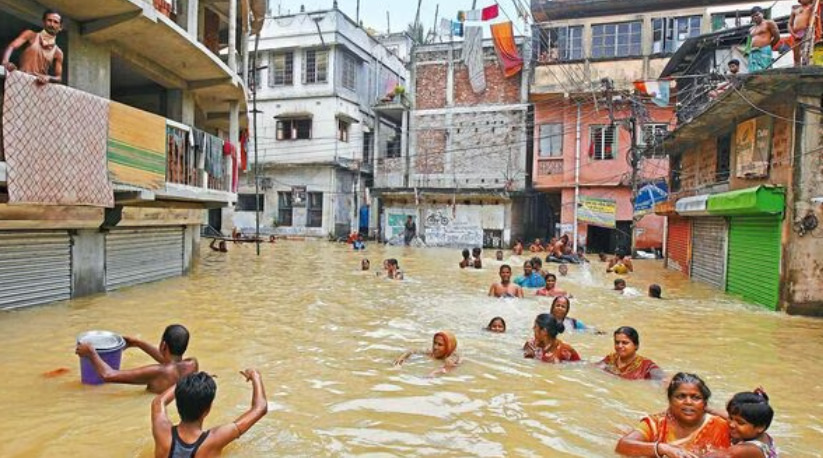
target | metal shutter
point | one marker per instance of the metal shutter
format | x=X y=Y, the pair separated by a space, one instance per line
x=35 y=268
x=754 y=259
x=679 y=244
x=709 y=251
x=142 y=255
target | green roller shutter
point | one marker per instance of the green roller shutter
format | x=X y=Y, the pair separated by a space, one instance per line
x=754 y=259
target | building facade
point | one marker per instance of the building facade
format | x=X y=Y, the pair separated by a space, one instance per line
x=747 y=196
x=318 y=129
x=582 y=148
x=464 y=171
x=110 y=186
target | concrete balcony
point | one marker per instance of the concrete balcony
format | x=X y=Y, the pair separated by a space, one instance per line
x=164 y=51
x=555 y=10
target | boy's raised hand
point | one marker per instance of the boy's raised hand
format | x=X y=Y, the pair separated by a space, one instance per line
x=250 y=373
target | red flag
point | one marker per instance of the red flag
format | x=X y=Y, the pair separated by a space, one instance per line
x=490 y=12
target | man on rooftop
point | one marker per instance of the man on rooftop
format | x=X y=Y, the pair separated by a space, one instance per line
x=764 y=34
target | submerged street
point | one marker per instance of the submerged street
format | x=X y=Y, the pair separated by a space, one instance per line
x=324 y=336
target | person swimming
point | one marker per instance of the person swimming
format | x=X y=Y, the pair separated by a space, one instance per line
x=551 y=288
x=545 y=346
x=497 y=325
x=563 y=270
x=655 y=291
x=466 y=261
x=444 y=348
x=505 y=288
x=621 y=264
x=365 y=264
x=619 y=285
x=499 y=255
x=478 y=260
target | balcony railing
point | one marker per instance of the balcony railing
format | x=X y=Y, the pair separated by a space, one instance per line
x=182 y=161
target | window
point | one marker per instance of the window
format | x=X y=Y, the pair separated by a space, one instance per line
x=616 y=40
x=343 y=130
x=724 y=153
x=603 y=142
x=294 y=129
x=315 y=208
x=393 y=145
x=247 y=203
x=561 y=44
x=284 y=206
x=551 y=140
x=368 y=146
x=677 y=170
x=281 y=69
x=652 y=134
x=669 y=33
x=349 y=72
x=315 y=66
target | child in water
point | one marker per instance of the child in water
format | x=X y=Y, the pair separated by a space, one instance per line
x=365 y=264
x=655 y=291
x=497 y=325
x=749 y=416
x=466 y=261
x=619 y=285
x=478 y=261
x=444 y=348
x=194 y=395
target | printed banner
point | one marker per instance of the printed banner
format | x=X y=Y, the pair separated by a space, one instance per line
x=753 y=145
x=650 y=195
x=597 y=211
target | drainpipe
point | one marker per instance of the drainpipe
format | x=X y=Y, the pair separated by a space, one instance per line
x=576 y=176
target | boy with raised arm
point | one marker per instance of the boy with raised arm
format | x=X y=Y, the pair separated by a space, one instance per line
x=194 y=395
x=158 y=377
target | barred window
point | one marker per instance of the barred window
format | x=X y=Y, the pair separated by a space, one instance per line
x=315 y=66
x=315 y=208
x=603 y=142
x=284 y=207
x=349 y=72
x=281 y=69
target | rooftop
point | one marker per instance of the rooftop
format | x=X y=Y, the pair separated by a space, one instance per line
x=552 y=10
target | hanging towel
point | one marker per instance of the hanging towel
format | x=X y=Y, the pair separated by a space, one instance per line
x=490 y=12
x=473 y=57
x=659 y=90
x=457 y=29
x=506 y=48
x=469 y=16
x=445 y=26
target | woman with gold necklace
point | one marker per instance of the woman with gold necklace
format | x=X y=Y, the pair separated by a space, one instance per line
x=625 y=362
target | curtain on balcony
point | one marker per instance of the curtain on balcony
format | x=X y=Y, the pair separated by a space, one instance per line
x=55 y=144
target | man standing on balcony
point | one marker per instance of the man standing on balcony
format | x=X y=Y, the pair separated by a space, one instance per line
x=41 y=53
x=764 y=34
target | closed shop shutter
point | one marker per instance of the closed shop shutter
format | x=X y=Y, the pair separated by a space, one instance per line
x=142 y=255
x=679 y=244
x=709 y=251
x=754 y=259
x=35 y=268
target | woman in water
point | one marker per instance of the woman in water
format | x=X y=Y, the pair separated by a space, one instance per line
x=684 y=430
x=560 y=311
x=625 y=362
x=444 y=348
x=551 y=288
x=545 y=345
x=497 y=325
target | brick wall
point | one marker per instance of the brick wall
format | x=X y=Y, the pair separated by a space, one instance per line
x=430 y=86
x=499 y=89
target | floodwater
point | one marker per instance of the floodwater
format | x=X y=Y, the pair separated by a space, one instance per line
x=324 y=336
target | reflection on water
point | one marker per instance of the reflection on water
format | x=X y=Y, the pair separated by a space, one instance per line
x=324 y=336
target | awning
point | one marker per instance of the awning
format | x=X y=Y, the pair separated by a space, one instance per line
x=665 y=208
x=759 y=200
x=347 y=118
x=692 y=206
x=295 y=115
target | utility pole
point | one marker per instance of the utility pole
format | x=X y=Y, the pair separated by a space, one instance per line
x=435 y=28
x=635 y=163
x=254 y=126
x=357 y=14
x=474 y=4
x=417 y=16
x=388 y=23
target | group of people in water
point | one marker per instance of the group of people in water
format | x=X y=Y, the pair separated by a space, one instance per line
x=688 y=428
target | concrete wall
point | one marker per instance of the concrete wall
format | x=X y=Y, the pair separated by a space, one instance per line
x=443 y=224
x=88 y=262
x=804 y=261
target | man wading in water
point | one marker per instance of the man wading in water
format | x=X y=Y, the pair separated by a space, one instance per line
x=410 y=231
x=505 y=288
x=41 y=51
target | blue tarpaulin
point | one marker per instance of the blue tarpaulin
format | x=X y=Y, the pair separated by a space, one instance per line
x=649 y=195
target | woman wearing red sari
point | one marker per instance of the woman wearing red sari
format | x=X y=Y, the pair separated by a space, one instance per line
x=625 y=362
x=545 y=346
x=684 y=430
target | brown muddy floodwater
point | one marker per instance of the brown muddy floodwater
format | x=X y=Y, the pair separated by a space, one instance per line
x=324 y=336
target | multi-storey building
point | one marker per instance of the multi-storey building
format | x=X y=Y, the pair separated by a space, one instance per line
x=105 y=179
x=581 y=149
x=464 y=171
x=318 y=125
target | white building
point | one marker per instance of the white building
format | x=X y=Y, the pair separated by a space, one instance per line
x=318 y=130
